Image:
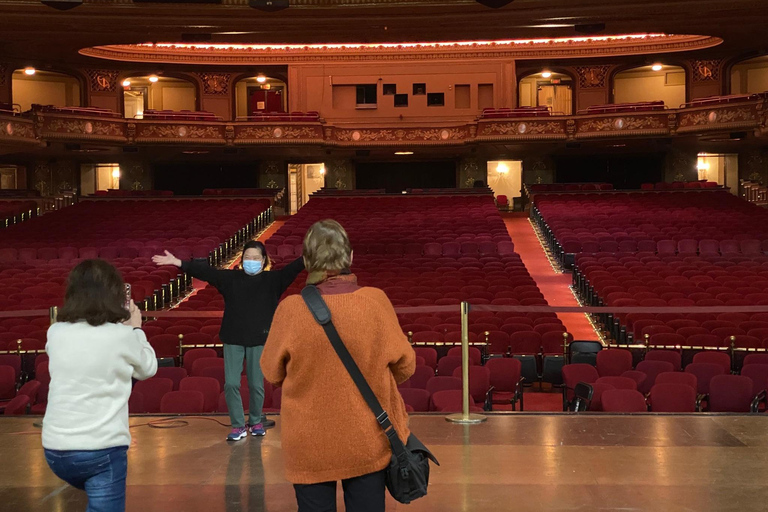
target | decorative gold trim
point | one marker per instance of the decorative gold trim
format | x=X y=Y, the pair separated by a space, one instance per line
x=636 y=44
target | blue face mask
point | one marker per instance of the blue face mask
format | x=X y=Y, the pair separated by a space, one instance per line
x=252 y=267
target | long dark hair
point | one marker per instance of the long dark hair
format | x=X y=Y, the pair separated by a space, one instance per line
x=253 y=244
x=95 y=293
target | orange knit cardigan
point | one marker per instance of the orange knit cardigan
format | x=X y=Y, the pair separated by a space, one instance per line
x=328 y=432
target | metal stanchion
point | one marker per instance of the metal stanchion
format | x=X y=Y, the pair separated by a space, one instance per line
x=465 y=416
x=53 y=313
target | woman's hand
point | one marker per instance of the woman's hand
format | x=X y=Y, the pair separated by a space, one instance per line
x=135 y=320
x=166 y=259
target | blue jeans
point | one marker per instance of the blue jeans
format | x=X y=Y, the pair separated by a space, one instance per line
x=100 y=473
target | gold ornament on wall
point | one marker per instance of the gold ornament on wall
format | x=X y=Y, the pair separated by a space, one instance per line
x=591 y=77
x=102 y=80
x=706 y=70
x=215 y=83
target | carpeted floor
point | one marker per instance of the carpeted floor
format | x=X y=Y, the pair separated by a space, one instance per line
x=554 y=286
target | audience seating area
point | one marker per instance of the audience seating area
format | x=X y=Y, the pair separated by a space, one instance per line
x=668 y=223
x=36 y=256
x=636 y=280
x=180 y=115
x=133 y=193
x=310 y=116
x=14 y=211
x=612 y=383
x=610 y=108
x=497 y=113
x=79 y=111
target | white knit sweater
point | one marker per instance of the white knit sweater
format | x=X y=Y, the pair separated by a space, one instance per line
x=91 y=370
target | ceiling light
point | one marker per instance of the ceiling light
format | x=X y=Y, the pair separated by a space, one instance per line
x=29 y=71
x=116 y=173
x=126 y=83
x=546 y=74
x=322 y=171
x=403 y=152
x=153 y=79
x=657 y=67
x=261 y=79
x=702 y=166
x=502 y=168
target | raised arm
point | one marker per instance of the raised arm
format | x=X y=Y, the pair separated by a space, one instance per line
x=197 y=269
x=289 y=273
x=141 y=354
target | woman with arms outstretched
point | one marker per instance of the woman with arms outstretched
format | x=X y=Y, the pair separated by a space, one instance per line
x=251 y=295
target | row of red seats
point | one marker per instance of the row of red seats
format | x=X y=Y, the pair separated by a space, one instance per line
x=118 y=231
x=81 y=111
x=180 y=115
x=634 y=217
x=708 y=376
x=309 y=116
x=694 y=281
x=677 y=185
x=568 y=187
x=496 y=113
x=133 y=193
x=638 y=106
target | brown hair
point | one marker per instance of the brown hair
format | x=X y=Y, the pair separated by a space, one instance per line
x=95 y=293
x=326 y=247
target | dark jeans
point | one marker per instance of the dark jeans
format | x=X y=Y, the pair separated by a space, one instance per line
x=361 y=494
x=100 y=473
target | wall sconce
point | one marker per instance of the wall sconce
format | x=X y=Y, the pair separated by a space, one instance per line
x=261 y=79
x=126 y=83
x=153 y=79
x=546 y=74
x=322 y=171
x=502 y=168
x=29 y=71
x=702 y=166
x=657 y=67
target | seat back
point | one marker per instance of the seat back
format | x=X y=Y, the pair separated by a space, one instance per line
x=673 y=397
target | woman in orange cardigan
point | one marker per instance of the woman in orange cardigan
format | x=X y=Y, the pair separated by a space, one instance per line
x=328 y=432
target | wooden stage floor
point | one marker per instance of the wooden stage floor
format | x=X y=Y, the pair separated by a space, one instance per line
x=519 y=462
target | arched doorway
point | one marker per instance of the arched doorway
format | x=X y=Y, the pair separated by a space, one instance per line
x=750 y=76
x=658 y=82
x=33 y=86
x=153 y=92
x=547 y=88
x=260 y=94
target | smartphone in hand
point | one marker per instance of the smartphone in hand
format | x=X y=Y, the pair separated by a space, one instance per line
x=127 y=297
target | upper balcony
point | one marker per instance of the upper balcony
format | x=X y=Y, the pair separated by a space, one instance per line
x=646 y=119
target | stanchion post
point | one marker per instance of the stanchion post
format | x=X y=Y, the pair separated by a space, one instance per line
x=465 y=416
x=53 y=314
x=647 y=342
x=733 y=352
x=181 y=348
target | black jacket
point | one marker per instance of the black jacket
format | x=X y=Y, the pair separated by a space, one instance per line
x=249 y=301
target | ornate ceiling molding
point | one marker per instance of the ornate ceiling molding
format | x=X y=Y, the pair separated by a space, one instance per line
x=245 y=55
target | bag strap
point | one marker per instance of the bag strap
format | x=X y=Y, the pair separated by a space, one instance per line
x=322 y=314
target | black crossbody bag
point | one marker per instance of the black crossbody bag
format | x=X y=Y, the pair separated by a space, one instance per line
x=407 y=476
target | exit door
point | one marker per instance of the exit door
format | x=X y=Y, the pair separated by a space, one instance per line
x=261 y=100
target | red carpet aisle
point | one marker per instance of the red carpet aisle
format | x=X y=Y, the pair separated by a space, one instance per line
x=555 y=287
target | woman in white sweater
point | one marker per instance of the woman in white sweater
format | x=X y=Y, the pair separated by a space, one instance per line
x=95 y=349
